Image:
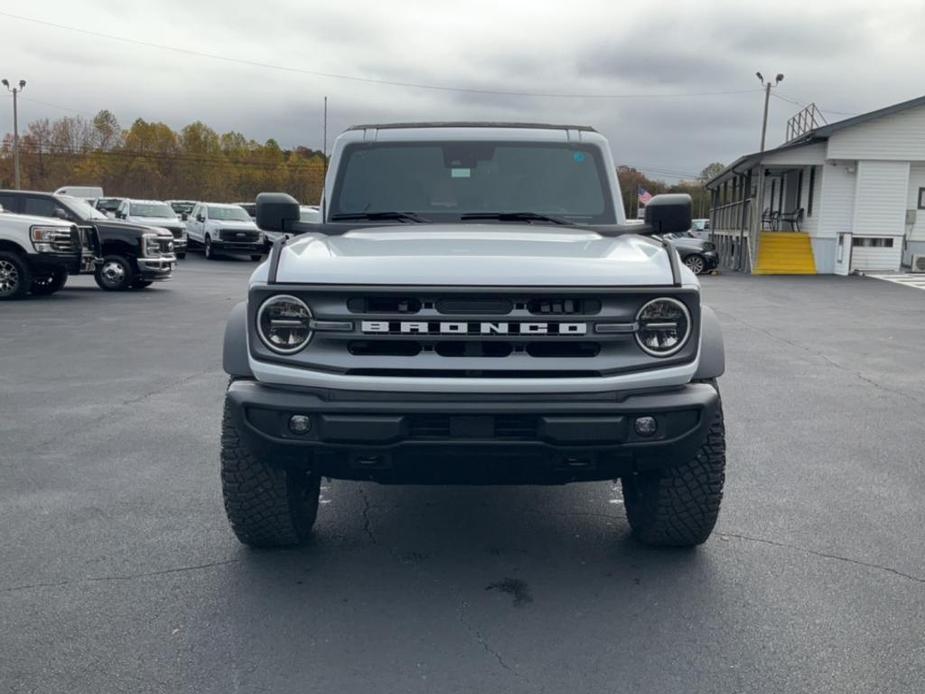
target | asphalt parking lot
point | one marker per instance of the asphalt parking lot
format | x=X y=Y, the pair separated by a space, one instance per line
x=118 y=572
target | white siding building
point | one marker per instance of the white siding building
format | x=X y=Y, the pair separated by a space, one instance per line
x=839 y=198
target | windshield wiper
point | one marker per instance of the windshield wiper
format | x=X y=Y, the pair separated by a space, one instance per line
x=377 y=216
x=516 y=217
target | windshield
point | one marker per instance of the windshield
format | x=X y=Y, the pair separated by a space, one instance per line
x=181 y=207
x=81 y=208
x=445 y=180
x=229 y=214
x=151 y=209
x=108 y=204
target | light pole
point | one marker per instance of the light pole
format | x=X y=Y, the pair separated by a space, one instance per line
x=767 y=97
x=15 y=90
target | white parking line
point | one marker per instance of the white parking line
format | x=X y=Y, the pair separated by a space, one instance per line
x=916 y=280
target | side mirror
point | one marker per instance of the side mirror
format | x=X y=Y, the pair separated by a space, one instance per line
x=276 y=210
x=60 y=213
x=669 y=212
x=200 y=218
x=184 y=216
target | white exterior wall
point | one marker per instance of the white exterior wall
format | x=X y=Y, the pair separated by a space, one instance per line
x=811 y=222
x=882 y=188
x=916 y=181
x=898 y=137
x=836 y=198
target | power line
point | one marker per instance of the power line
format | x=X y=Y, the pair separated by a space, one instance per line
x=370 y=80
x=802 y=105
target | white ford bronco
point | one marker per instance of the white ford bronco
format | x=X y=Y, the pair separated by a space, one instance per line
x=473 y=309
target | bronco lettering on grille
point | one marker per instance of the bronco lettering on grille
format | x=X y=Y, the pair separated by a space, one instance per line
x=469 y=328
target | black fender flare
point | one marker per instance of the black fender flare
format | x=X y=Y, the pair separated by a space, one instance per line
x=234 y=351
x=712 y=352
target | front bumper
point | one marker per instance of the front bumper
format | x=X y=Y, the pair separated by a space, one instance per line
x=160 y=268
x=711 y=259
x=252 y=248
x=414 y=438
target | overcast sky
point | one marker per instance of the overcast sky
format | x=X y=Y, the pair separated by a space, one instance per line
x=846 y=56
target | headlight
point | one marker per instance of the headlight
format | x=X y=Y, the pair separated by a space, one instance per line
x=283 y=324
x=663 y=327
x=152 y=246
x=45 y=238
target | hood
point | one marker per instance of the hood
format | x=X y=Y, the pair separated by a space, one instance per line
x=234 y=224
x=32 y=219
x=475 y=255
x=157 y=221
x=120 y=225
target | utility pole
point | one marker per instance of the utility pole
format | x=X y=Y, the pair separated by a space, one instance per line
x=767 y=97
x=15 y=90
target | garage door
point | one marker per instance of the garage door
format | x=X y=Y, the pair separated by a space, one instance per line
x=875 y=253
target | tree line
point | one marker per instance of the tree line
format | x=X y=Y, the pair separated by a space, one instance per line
x=151 y=160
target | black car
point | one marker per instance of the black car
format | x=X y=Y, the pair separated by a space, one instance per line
x=699 y=255
x=131 y=256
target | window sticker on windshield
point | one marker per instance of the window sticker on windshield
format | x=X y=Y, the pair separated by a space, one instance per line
x=579 y=157
x=461 y=173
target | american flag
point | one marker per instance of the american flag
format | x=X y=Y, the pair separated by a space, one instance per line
x=644 y=196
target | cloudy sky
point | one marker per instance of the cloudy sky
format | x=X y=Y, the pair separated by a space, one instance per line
x=673 y=86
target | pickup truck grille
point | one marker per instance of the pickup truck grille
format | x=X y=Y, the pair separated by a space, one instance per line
x=473 y=333
x=240 y=235
x=176 y=231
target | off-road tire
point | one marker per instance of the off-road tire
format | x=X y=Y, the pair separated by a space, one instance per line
x=45 y=285
x=267 y=506
x=107 y=280
x=678 y=506
x=15 y=276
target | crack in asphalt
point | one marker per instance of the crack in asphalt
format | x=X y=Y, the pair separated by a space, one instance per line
x=64 y=433
x=367 y=521
x=480 y=639
x=824 y=555
x=824 y=357
x=123 y=577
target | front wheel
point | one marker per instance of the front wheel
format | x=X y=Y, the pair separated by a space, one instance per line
x=48 y=284
x=267 y=506
x=696 y=264
x=114 y=274
x=207 y=249
x=15 y=277
x=678 y=506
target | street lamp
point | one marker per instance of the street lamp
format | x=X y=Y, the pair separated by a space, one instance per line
x=767 y=97
x=15 y=90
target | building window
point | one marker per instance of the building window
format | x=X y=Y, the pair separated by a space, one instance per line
x=812 y=191
x=922 y=198
x=800 y=189
x=869 y=242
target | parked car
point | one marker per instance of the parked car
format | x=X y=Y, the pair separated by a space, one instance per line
x=701 y=228
x=85 y=193
x=220 y=228
x=249 y=207
x=37 y=254
x=157 y=214
x=479 y=313
x=108 y=206
x=182 y=208
x=131 y=256
x=699 y=255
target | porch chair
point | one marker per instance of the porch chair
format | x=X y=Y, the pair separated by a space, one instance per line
x=770 y=220
x=792 y=218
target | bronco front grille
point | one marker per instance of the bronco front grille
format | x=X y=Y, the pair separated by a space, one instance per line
x=412 y=332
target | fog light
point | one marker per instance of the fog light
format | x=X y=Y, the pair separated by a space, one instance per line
x=645 y=426
x=300 y=424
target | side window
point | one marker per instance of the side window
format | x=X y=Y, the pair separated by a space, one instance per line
x=9 y=203
x=40 y=207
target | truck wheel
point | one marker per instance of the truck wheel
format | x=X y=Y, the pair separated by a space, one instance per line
x=678 y=506
x=267 y=506
x=115 y=273
x=49 y=284
x=696 y=264
x=207 y=249
x=15 y=277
